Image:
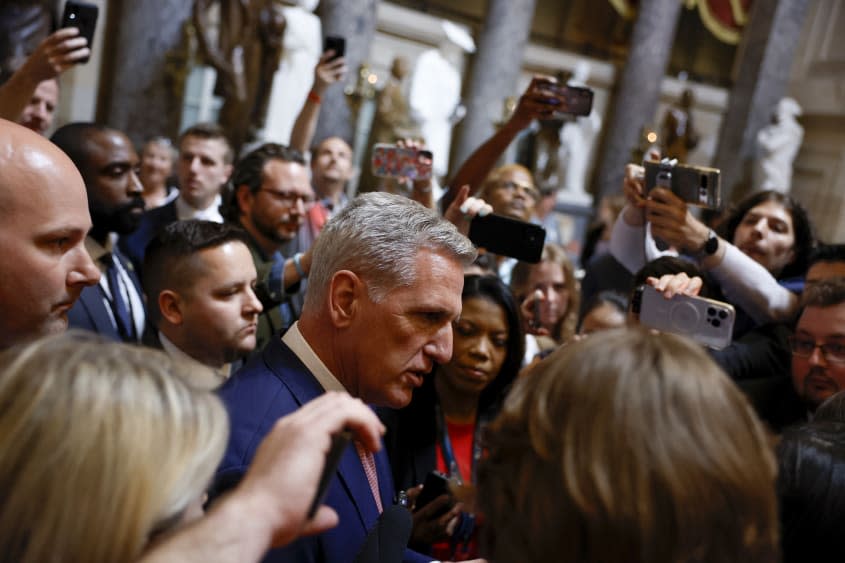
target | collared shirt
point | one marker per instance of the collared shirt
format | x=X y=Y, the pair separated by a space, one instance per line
x=211 y=213
x=296 y=342
x=130 y=293
x=195 y=372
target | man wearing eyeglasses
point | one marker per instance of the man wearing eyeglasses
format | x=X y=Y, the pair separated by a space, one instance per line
x=271 y=195
x=818 y=345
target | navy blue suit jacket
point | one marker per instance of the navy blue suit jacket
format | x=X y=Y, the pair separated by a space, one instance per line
x=90 y=313
x=135 y=244
x=273 y=384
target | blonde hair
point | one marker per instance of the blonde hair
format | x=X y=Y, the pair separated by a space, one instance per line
x=629 y=446
x=496 y=175
x=555 y=254
x=104 y=446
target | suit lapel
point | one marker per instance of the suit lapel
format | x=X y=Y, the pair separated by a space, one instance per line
x=304 y=387
x=91 y=300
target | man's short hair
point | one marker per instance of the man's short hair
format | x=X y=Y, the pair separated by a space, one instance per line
x=209 y=131
x=168 y=260
x=827 y=253
x=378 y=236
x=824 y=293
x=249 y=171
x=73 y=139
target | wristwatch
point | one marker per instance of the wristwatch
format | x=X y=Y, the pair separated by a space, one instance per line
x=711 y=245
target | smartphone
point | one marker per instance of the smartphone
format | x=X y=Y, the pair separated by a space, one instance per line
x=336 y=44
x=390 y=161
x=435 y=484
x=577 y=100
x=508 y=237
x=707 y=321
x=697 y=185
x=339 y=443
x=82 y=15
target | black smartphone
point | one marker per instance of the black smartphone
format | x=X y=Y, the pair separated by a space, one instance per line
x=336 y=44
x=339 y=443
x=577 y=100
x=508 y=237
x=83 y=16
x=435 y=484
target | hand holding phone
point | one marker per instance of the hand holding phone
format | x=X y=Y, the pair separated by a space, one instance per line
x=335 y=43
x=435 y=485
x=83 y=16
x=707 y=321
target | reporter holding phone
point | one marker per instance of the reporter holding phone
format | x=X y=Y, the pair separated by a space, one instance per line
x=760 y=256
x=441 y=429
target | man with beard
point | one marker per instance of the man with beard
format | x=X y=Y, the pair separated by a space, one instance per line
x=271 y=197
x=107 y=161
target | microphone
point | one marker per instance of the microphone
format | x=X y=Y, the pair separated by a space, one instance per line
x=387 y=540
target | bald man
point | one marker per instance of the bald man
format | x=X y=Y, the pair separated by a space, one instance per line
x=43 y=223
x=44 y=266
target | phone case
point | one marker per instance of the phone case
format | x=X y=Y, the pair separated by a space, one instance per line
x=390 y=161
x=435 y=484
x=508 y=237
x=697 y=185
x=706 y=321
x=82 y=15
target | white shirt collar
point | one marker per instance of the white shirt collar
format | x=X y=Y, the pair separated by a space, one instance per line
x=298 y=345
x=211 y=213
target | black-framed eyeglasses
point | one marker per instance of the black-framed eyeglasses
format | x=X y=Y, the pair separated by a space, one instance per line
x=804 y=347
x=289 y=198
x=528 y=190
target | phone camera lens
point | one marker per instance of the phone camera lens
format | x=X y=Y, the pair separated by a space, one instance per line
x=711 y=312
x=717 y=322
x=723 y=314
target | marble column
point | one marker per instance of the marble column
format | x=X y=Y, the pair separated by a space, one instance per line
x=637 y=90
x=495 y=72
x=765 y=58
x=356 y=21
x=141 y=84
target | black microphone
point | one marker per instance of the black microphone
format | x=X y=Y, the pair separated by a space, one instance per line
x=388 y=539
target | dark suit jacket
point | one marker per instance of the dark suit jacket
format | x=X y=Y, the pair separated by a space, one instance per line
x=90 y=313
x=271 y=385
x=135 y=244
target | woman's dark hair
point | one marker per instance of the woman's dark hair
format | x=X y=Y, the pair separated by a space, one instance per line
x=609 y=297
x=811 y=488
x=802 y=227
x=494 y=290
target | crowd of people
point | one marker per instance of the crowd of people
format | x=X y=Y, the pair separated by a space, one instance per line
x=186 y=331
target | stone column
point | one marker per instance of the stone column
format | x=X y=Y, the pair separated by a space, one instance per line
x=637 y=89
x=495 y=71
x=143 y=96
x=356 y=21
x=762 y=73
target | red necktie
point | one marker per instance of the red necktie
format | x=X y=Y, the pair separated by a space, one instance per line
x=369 y=463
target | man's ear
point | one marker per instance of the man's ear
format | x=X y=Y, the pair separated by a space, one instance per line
x=346 y=290
x=170 y=306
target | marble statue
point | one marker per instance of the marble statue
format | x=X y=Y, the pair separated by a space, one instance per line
x=777 y=145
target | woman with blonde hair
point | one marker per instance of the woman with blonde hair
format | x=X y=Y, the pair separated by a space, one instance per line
x=628 y=446
x=105 y=450
x=550 y=288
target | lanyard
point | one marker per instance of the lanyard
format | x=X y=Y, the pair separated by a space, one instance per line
x=449 y=452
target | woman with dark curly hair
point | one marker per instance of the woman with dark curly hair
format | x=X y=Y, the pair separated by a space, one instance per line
x=758 y=261
x=440 y=429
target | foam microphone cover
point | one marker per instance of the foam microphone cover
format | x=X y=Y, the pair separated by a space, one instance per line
x=388 y=539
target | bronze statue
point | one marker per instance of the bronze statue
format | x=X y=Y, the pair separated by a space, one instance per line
x=246 y=56
x=393 y=120
x=677 y=133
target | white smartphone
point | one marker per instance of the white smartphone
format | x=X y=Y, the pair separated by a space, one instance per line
x=707 y=321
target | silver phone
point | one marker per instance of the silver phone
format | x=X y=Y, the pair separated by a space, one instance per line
x=707 y=321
